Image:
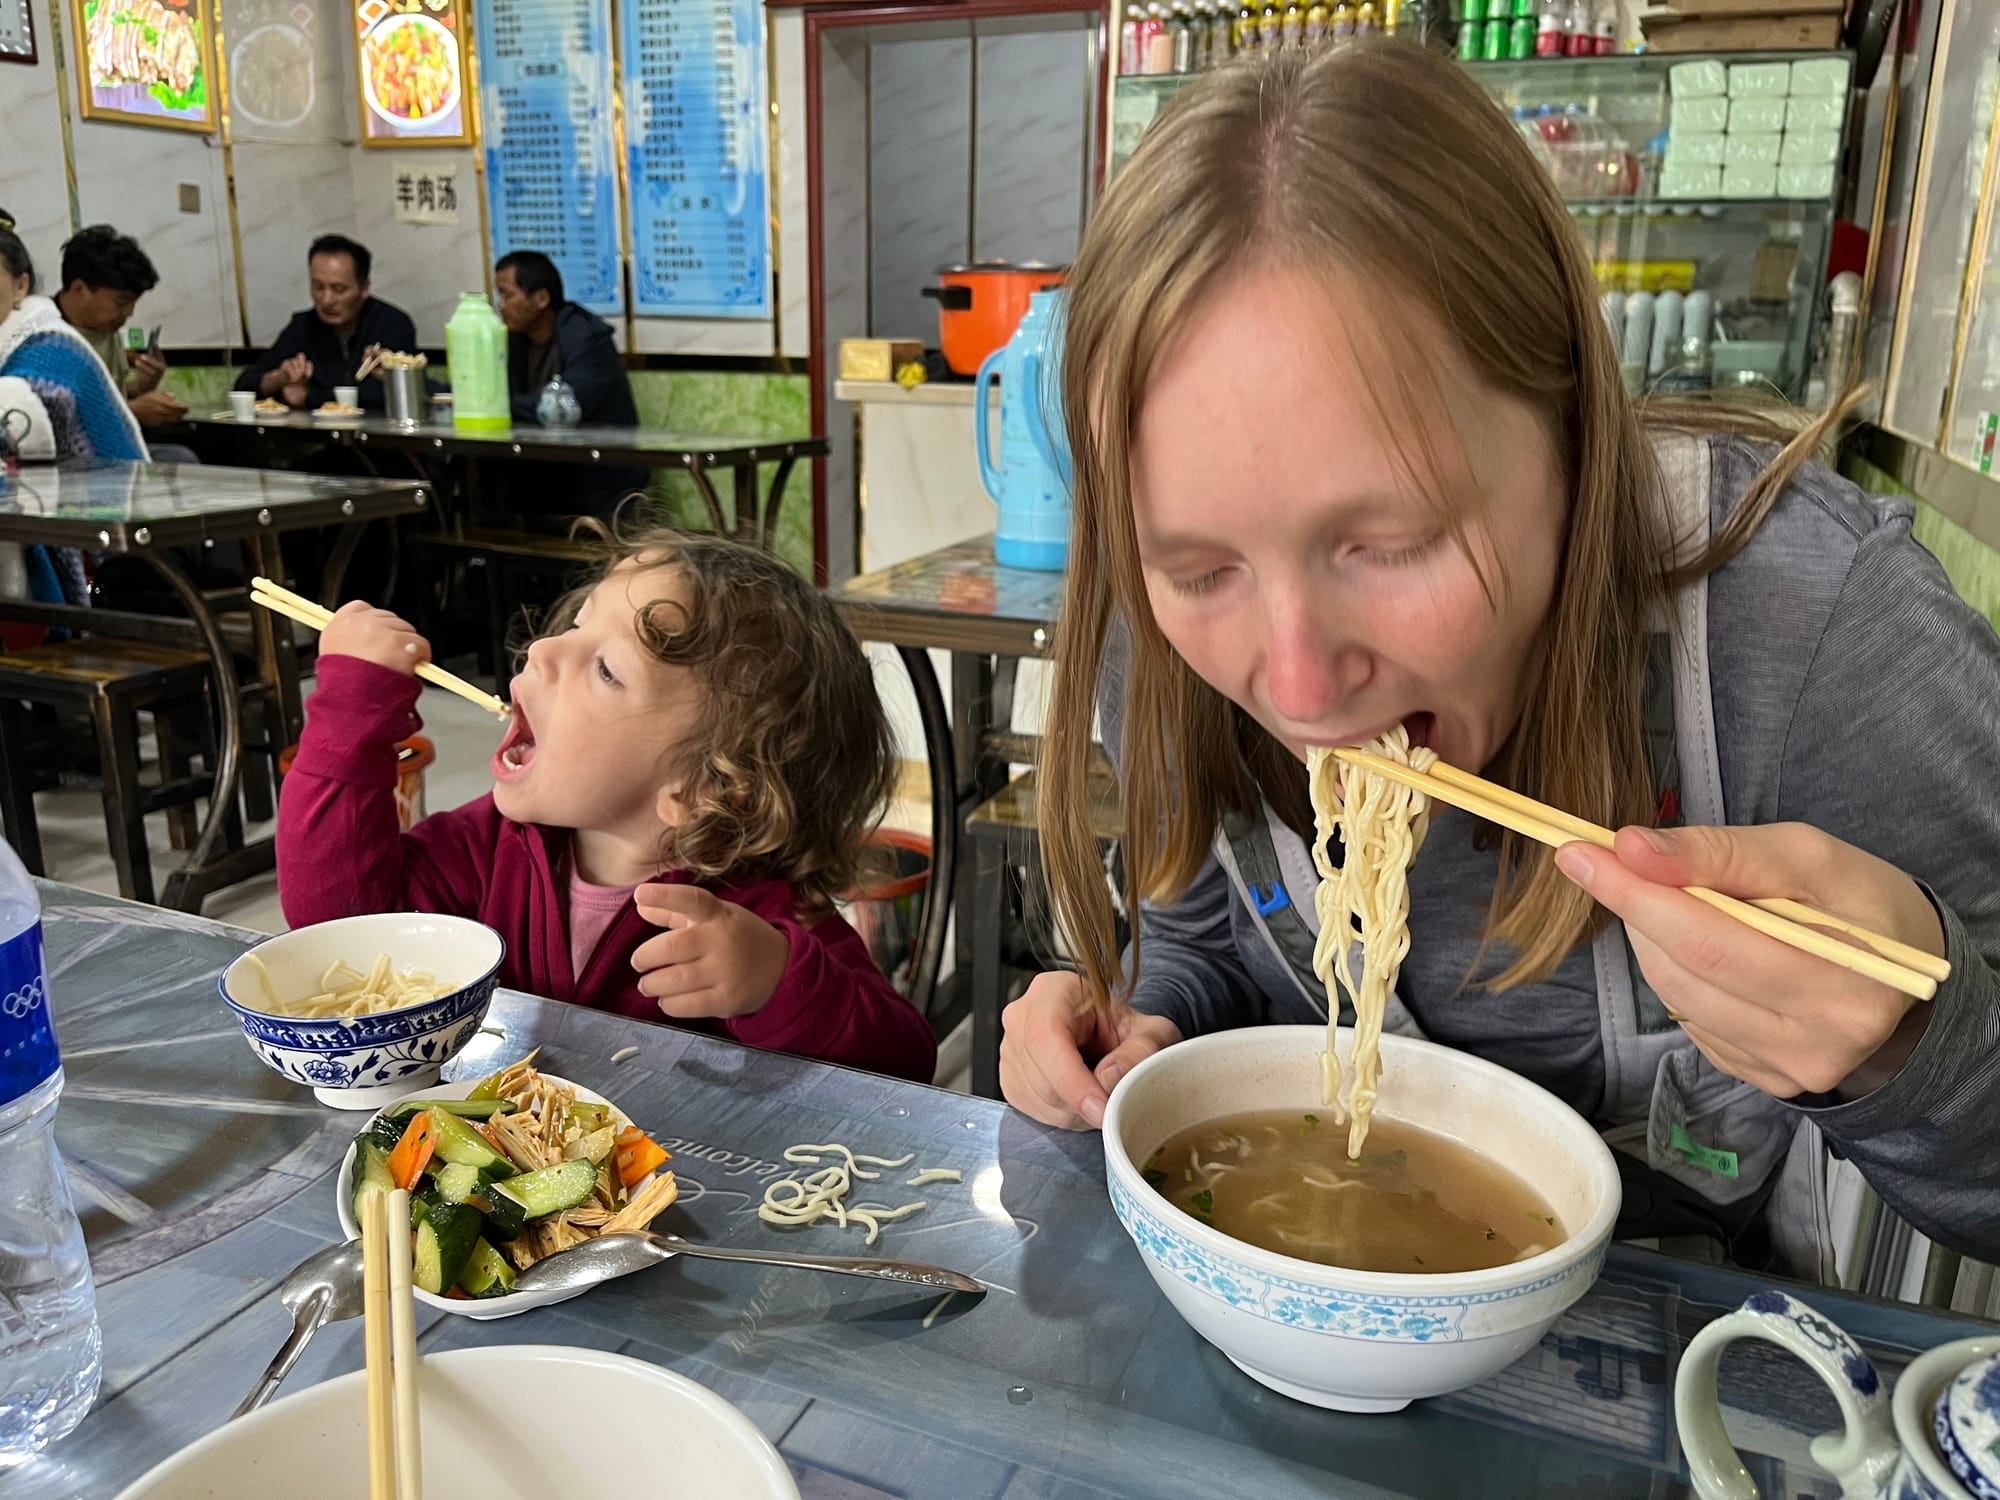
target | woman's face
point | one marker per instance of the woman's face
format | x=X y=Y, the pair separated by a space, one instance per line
x=1294 y=558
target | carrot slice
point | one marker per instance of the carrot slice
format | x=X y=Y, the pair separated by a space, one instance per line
x=413 y=1151
x=638 y=1155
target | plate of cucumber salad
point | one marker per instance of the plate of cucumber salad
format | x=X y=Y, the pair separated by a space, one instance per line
x=501 y=1173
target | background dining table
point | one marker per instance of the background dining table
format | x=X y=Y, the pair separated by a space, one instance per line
x=202 y=1178
x=149 y=511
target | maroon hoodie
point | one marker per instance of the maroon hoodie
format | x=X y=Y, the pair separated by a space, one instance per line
x=341 y=854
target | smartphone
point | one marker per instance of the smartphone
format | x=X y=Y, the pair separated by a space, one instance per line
x=153 y=340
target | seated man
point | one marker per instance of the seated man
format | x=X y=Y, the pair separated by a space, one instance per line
x=104 y=274
x=323 y=346
x=548 y=336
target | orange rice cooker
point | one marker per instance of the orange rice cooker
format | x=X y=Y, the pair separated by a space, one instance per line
x=980 y=305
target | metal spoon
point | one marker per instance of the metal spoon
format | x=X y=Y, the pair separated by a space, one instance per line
x=616 y=1254
x=323 y=1288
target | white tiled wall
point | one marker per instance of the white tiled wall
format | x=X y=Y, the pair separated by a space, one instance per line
x=33 y=186
x=1030 y=143
x=422 y=268
x=919 y=185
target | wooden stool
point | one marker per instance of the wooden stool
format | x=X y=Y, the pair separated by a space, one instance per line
x=111 y=682
x=1003 y=836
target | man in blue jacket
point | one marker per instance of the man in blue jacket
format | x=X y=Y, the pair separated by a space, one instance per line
x=550 y=336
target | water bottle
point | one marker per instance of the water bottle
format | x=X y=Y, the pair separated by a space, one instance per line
x=49 y=1343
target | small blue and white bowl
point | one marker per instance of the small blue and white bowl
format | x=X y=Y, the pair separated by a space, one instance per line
x=365 y=1062
x=1359 y=1340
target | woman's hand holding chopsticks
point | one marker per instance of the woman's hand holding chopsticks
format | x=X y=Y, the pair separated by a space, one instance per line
x=376 y=635
x=1783 y=1020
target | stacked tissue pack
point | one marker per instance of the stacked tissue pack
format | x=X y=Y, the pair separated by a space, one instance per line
x=1755 y=129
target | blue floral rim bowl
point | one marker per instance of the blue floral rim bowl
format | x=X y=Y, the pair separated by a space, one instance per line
x=1359 y=1340
x=366 y=1061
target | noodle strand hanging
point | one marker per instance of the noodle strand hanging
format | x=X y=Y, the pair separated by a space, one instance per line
x=1381 y=824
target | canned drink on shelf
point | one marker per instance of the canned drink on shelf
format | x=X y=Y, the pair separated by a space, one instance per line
x=1520 y=38
x=1471 y=38
x=1493 y=46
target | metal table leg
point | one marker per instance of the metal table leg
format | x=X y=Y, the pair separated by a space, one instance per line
x=989 y=900
x=767 y=528
x=944 y=825
x=743 y=480
x=204 y=870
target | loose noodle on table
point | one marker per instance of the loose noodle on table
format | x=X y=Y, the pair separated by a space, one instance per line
x=1381 y=825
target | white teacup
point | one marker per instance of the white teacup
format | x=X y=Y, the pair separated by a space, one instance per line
x=1934 y=1441
x=347 y=395
x=243 y=405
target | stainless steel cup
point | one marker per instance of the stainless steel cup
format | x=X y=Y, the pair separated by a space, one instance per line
x=404 y=395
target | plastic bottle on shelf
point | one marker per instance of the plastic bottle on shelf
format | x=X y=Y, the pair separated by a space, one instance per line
x=1367 y=19
x=1131 y=42
x=1577 y=22
x=1667 y=312
x=1243 y=32
x=1271 y=26
x=1638 y=343
x=1180 y=38
x=1319 y=25
x=51 y=1352
x=1159 y=45
x=1604 y=29
x=1292 y=31
x=1549 y=28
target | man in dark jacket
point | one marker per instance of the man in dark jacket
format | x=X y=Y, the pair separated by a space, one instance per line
x=550 y=336
x=323 y=346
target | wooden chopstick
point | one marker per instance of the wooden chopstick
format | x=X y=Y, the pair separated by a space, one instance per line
x=1552 y=827
x=376 y=1336
x=403 y=1350
x=280 y=600
x=1798 y=911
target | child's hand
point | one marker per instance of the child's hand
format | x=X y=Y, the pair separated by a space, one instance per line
x=715 y=960
x=375 y=635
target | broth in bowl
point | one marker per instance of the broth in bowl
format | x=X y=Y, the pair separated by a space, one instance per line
x=1414 y=1202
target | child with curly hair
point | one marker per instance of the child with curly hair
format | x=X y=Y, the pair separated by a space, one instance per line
x=695 y=758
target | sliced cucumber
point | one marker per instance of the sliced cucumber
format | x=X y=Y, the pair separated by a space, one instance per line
x=459 y=1142
x=444 y=1243
x=457 y=1181
x=550 y=1190
x=370 y=1174
x=486 y=1272
x=465 y=1109
x=504 y=1215
x=586 y=1116
x=384 y=1132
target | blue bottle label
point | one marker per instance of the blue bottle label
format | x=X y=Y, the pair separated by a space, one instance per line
x=28 y=1052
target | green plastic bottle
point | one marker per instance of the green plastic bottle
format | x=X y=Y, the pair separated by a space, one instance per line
x=475 y=345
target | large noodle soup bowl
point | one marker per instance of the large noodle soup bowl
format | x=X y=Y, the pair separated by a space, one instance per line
x=1359 y=1340
x=366 y=1061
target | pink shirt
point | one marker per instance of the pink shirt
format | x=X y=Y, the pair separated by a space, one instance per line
x=592 y=910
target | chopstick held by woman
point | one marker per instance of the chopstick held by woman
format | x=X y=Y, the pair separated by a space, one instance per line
x=695 y=759
x=1353 y=450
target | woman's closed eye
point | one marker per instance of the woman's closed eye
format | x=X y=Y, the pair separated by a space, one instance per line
x=1395 y=554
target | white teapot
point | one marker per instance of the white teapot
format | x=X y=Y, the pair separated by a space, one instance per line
x=1937 y=1439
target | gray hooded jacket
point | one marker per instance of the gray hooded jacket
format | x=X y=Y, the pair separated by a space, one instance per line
x=1828 y=674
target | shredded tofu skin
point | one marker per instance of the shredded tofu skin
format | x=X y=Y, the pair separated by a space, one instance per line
x=541 y=1132
x=798 y=1201
x=1381 y=824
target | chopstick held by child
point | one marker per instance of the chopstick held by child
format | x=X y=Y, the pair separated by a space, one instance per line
x=696 y=756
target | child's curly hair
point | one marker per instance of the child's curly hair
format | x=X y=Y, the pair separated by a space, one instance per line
x=792 y=761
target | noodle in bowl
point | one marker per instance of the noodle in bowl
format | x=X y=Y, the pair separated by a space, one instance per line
x=361 y=1061
x=1345 y=1339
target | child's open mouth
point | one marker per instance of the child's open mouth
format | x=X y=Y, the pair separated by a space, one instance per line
x=517 y=746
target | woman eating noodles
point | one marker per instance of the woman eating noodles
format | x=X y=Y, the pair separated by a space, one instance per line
x=1353 y=452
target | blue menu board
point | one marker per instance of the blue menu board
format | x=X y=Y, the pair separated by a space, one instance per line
x=545 y=88
x=695 y=131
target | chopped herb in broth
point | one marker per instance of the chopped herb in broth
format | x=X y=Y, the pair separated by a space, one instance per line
x=1414 y=1202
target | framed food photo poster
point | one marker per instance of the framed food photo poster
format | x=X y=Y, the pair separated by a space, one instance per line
x=411 y=61
x=145 y=62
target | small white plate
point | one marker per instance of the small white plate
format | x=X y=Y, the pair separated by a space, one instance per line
x=472 y=1307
